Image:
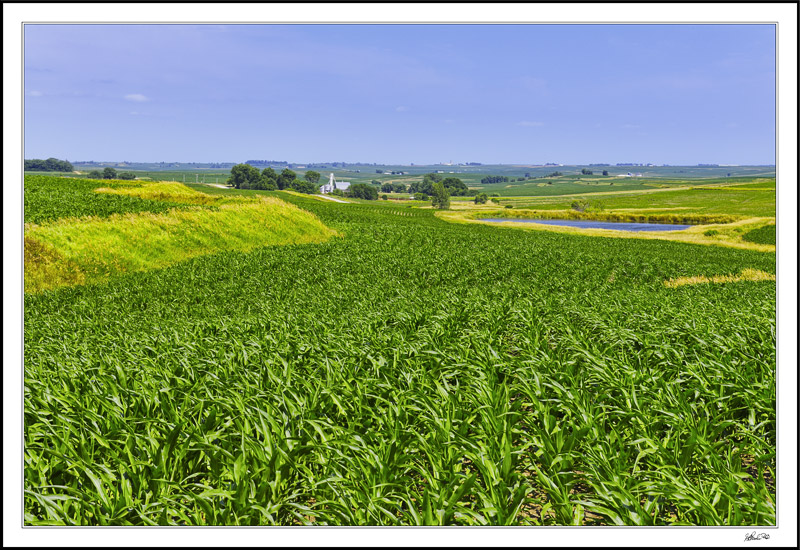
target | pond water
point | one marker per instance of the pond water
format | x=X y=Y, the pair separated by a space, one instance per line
x=619 y=226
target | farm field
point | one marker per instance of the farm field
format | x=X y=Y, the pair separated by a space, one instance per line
x=407 y=371
x=571 y=182
x=755 y=199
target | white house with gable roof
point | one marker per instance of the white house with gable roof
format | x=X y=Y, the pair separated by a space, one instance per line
x=333 y=184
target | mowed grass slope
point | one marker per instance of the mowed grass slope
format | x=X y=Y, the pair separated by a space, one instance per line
x=92 y=248
x=414 y=372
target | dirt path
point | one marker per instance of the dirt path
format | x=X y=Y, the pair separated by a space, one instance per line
x=330 y=198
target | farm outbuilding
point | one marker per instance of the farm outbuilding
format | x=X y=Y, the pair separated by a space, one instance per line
x=333 y=184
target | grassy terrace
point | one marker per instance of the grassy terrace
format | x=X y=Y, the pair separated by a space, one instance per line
x=91 y=249
x=413 y=372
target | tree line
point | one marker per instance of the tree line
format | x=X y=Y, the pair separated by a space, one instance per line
x=48 y=165
x=109 y=173
x=454 y=186
x=246 y=176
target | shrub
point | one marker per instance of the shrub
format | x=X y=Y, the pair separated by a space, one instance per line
x=580 y=205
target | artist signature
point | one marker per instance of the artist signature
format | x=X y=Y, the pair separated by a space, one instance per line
x=753 y=536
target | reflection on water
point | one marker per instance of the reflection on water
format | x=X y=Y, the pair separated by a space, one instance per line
x=619 y=226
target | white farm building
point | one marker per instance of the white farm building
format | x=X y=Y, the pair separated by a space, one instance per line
x=333 y=184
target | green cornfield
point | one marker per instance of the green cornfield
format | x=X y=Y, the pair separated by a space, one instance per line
x=412 y=372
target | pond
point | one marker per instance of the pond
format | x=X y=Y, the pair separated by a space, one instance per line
x=619 y=226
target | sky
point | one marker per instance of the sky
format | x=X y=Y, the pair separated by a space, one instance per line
x=401 y=94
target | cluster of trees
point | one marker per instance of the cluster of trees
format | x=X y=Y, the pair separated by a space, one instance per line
x=481 y=198
x=362 y=191
x=454 y=186
x=393 y=187
x=586 y=172
x=494 y=179
x=246 y=176
x=109 y=173
x=49 y=165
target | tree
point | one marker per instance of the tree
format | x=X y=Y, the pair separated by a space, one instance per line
x=95 y=175
x=363 y=191
x=455 y=186
x=605 y=172
x=303 y=186
x=481 y=198
x=126 y=176
x=385 y=197
x=386 y=187
x=312 y=177
x=286 y=178
x=586 y=172
x=441 y=196
x=420 y=196
x=109 y=173
x=399 y=188
x=244 y=176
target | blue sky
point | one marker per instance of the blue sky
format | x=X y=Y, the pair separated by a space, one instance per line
x=572 y=94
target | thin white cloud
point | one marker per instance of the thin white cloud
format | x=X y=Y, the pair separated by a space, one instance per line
x=139 y=98
x=134 y=113
x=401 y=108
x=35 y=93
x=631 y=126
x=530 y=123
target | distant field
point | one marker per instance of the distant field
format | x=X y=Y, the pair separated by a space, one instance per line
x=755 y=200
x=571 y=182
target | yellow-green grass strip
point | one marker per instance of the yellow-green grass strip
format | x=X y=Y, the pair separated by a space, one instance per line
x=163 y=191
x=747 y=274
x=727 y=234
x=90 y=250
